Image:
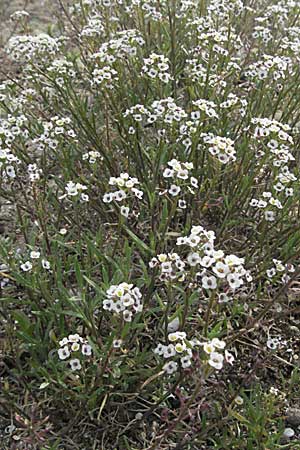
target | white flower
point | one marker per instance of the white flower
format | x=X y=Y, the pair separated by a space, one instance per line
x=169 y=351
x=86 y=349
x=34 y=255
x=117 y=343
x=64 y=342
x=238 y=400
x=182 y=204
x=180 y=347
x=168 y=173
x=127 y=315
x=217 y=343
x=26 y=267
x=64 y=352
x=75 y=347
x=221 y=269
x=234 y=280
x=271 y=272
x=229 y=358
x=216 y=360
x=270 y=216
x=170 y=367
x=124 y=211
x=209 y=282
x=208 y=348
x=75 y=364
x=193 y=240
x=74 y=338
x=185 y=362
x=193 y=259
x=45 y=264
x=174 y=190
x=223 y=298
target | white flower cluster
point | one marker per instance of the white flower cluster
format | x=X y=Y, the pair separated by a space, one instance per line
x=265 y=202
x=122 y=46
x=291 y=42
x=216 y=266
x=206 y=106
x=179 y=172
x=266 y=127
x=179 y=352
x=93 y=28
x=92 y=156
x=196 y=72
x=221 y=147
x=276 y=66
x=8 y=163
x=27 y=47
x=263 y=33
x=171 y=266
x=126 y=187
x=74 y=190
x=54 y=130
x=74 y=344
x=34 y=173
x=148 y=7
x=280 y=268
x=19 y=15
x=124 y=299
x=35 y=256
x=213 y=350
x=12 y=127
x=157 y=66
x=104 y=76
x=61 y=68
x=164 y=110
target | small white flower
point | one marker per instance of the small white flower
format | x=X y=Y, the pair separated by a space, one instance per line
x=216 y=360
x=74 y=337
x=217 y=343
x=193 y=259
x=168 y=173
x=64 y=352
x=170 y=367
x=239 y=400
x=174 y=190
x=271 y=272
x=26 y=267
x=270 y=216
x=64 y=342
x=185 y=362
x=75 y=347
x=221 y=269
x=124 y=211
x=229 y=358
x=127 y=315
x=108 y=197
x=75 y=364
x=209 y=282
x=117 y=343
x=34 y=255
x=234 y=281
x=169 y=351
x=86 y=349
x=45 y=264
